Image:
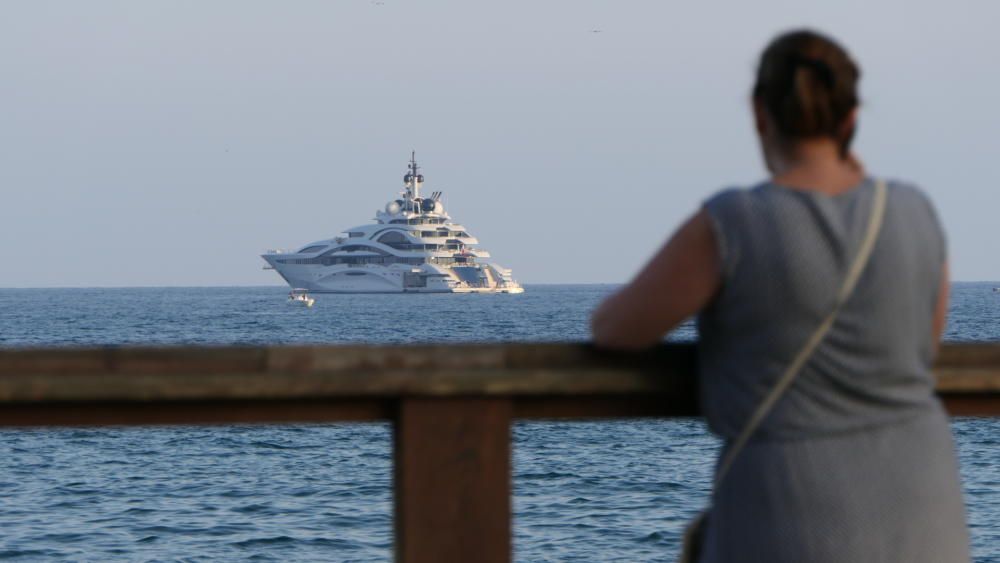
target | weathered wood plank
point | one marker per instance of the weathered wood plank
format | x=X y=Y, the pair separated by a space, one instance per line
x=452 y=480
x=970 y=354
x=544 y=380
x=212 y=386
x=111 y=413
x=972 y=404
x=139 y=360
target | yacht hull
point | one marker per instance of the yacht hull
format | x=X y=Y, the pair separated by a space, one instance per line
x=380 y=279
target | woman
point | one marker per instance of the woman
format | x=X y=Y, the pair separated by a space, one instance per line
x=855 y=462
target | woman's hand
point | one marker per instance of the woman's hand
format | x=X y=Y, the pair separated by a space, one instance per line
x=680 y=280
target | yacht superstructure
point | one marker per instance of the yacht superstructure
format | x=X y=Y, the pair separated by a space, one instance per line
x=413 y=247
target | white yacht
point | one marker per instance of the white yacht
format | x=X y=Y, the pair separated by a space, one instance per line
x=413 y=247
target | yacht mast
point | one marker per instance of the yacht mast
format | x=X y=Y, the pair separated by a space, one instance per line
x=417 y=179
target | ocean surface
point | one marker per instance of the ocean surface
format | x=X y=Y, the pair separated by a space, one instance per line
x=584 y=491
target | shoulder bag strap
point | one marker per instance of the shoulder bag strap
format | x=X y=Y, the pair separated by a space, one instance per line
x=786 y=379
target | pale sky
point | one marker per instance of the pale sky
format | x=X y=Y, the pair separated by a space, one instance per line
x=170 y=143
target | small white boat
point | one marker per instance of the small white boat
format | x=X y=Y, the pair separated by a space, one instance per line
x=300 y=297
x=996 y=290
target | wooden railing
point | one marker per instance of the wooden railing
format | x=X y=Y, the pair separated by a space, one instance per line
x=451 y=407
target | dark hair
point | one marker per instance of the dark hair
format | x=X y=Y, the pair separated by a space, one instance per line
x=809 y=85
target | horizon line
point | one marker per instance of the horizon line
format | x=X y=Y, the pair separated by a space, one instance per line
x=248 y=286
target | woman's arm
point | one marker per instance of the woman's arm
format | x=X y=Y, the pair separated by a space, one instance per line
x=941 y=309
x=677 y=282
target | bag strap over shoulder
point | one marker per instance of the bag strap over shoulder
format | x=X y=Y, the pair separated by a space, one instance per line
x=786 y=379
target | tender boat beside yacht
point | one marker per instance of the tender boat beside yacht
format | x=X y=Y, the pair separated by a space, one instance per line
x=413 y=247
x=300 y=296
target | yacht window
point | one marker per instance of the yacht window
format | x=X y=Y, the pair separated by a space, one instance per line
x=357 y=248
x=310 y=249
x=392 y=237
x=327 y=260
x=355 y=234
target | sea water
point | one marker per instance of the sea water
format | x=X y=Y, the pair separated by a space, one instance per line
x=583 y=491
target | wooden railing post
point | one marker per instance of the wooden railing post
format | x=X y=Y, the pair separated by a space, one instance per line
x=452 y=480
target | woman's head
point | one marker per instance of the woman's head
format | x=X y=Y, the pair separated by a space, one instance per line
x=807 y=89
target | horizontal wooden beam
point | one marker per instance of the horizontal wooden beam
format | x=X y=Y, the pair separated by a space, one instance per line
x=149 y=413
x=185 y=374
x=327 y=383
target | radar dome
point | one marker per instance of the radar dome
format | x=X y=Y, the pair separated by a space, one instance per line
x=392 y=208
x=438 y=207
x=428 y=205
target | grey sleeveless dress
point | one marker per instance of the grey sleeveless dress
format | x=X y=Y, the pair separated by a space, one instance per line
x=856 y=462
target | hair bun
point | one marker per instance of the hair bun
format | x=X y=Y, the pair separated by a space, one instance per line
x=822 y=70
